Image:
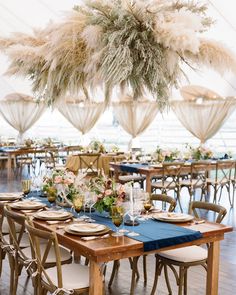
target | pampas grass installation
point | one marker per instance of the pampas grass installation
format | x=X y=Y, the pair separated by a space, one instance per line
x=137 y=45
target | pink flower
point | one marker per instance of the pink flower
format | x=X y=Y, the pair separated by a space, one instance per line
x=58 y=179
x=68 y=181
x=108 y=192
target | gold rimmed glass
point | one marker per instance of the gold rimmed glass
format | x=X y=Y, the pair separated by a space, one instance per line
x=117 y=214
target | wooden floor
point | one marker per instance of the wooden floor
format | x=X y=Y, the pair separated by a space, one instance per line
x=121 y=285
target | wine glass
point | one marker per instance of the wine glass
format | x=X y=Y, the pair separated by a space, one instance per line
x=134 y=213
x=78 y=204
x=51 y=196
x=117 y=214
x=147 y=206
x=26 y=184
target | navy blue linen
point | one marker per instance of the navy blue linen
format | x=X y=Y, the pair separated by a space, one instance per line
x=154 y=234
x=132 y=168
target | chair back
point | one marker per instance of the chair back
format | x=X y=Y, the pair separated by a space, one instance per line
x=171 y=172
x=15 y=234
x=194 y=205
x=89 y=163
x=199 y=171
x=40 y=254
x=223 y=171
x=164 y=199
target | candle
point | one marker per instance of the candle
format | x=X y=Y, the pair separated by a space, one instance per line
x=131 y=200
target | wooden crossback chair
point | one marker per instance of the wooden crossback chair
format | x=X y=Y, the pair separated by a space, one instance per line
x=61 y=279
x=170 y=180
x=222 y=178
x=185 y=257
x=89 y=163
x=196 y=179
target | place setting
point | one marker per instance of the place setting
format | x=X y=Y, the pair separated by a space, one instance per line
x=10 y=197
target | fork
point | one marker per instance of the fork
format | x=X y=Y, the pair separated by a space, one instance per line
x=95 y=237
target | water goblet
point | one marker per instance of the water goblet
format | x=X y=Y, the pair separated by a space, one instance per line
x=26 y=184
x=78 y=204
x=117 y=214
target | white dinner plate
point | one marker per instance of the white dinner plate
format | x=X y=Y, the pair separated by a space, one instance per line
x=173 y=217
x=86 y=227
x=10 y=196
x=53 y=215
x=27 y=205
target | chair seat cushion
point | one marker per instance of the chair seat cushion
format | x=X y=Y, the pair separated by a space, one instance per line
x=195 y=183
x=185 y=254
x=64 y=253
x=164 y=184
x=74 y=276
x=127 y=178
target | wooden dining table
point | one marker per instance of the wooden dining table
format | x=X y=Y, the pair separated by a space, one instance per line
x=101 y=251
x=151 y=171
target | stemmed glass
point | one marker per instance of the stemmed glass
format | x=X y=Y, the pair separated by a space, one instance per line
x=134 y=213
x=78 y=204
x=117 y=214
x=51 y=196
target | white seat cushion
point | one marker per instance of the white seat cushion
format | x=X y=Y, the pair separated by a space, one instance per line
x=74 y=276
x=186 y=254
x=64 y=253
x=164 y=184
x=193 y=182
x=131 y=177
x=5 y=227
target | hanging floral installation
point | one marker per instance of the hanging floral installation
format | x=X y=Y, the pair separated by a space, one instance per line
x=138 y=45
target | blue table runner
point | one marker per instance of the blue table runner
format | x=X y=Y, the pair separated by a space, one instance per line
x=154 y=234
x=132 y=168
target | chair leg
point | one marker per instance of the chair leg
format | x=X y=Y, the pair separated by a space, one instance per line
x=134 y=272
x=186 y=281
x=114 y=271
x=233 y=195
x=167 y=279
x=158 y=269
x=145 y=269
x=12 y=273
x=181 y=280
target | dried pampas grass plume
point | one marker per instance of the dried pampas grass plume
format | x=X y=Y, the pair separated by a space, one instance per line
x=215 y=55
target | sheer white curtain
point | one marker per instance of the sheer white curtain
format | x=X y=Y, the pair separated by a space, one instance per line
x=203 y=118
x=82 y=115
x=21 y=112
x=135 y=116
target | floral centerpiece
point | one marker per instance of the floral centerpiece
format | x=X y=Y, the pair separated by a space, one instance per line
x=162 y=155
x=108 y=192
x=66 y=185
x=97 y=146
x=199 y=153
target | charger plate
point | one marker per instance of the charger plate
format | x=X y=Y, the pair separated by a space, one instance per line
x=71 y=230
x=53 y=215
x=10 y=196
x=27 y=205
x=172 y=217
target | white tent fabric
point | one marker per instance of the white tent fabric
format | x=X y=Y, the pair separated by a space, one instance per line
x=192 y=92
x=21 y=111
x=203 y=119
x=135 y=116
x=82 y=115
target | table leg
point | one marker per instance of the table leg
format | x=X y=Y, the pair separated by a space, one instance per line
x=148 y=184
x=116 y=174
x=9 y=163
x=213 y=268
x=96 y=286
